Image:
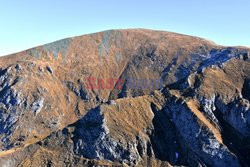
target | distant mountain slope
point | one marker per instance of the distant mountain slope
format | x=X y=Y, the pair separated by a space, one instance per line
x=126 y=98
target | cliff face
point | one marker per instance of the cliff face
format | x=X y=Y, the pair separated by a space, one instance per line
x=126 y=98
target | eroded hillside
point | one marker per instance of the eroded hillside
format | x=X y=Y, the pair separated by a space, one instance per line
x=198 y=115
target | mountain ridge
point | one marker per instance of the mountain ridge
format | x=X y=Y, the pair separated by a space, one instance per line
x=126 y=29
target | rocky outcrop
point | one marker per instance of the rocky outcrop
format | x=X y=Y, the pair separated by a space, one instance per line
x=91 y=140
x=198 y=133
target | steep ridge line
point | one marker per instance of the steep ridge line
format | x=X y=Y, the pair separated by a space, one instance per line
x=193 y=107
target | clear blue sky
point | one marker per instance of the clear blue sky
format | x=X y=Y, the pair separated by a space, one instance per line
x=28 y=23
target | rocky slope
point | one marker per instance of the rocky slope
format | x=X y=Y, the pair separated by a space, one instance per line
x=157 y=99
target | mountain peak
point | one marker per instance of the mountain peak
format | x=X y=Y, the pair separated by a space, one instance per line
x=124 y=97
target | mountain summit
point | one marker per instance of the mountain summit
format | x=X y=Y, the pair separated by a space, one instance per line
x=126 y=98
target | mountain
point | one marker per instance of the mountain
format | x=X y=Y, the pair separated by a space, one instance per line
x=126 y=98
